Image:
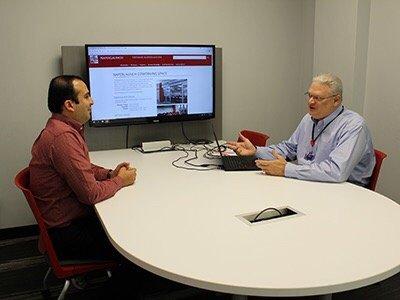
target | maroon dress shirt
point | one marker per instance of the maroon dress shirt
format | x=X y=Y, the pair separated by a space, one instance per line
x=64 y=182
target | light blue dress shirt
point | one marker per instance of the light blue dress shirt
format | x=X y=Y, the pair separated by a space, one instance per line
x=343 y=152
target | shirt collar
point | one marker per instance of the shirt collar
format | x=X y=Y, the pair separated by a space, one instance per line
x=71 y=122
x=329 y=118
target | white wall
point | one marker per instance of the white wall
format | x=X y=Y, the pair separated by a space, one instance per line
x=360 y=41
x=266 y=48
x=382 y=108
x=335 y=42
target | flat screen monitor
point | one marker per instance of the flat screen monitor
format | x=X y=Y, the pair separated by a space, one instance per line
x=135 y=84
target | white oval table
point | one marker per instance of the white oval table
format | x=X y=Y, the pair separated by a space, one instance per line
x=184 y=226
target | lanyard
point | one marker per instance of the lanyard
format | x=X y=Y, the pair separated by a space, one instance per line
x=313 y=140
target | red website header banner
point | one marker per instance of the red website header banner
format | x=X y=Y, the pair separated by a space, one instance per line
x=105 y=61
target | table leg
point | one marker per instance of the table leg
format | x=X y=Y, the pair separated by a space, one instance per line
x=325 y=297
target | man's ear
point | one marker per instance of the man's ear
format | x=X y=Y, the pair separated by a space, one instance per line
x=338 y=100
x=68 y=105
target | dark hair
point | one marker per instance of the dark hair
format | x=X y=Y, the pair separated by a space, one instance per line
x=61 y=88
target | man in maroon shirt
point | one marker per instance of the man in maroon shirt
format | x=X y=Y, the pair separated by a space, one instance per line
x=64 y=182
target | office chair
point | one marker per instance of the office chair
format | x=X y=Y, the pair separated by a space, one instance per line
x=64 y=269
x=379 y=157
x=256 y=138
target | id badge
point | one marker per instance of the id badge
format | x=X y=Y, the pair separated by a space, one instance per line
x=309 y=156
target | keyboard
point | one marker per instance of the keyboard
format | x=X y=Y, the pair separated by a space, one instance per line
x=239 y=163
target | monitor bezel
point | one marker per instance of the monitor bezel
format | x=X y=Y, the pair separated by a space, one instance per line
x=155 y=119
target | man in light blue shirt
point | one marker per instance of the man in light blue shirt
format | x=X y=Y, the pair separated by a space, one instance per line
x=331 y=143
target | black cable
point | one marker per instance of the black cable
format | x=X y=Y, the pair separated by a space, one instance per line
x=184 y=134
x=127 y=136
x=196 y=157
x=163 y=149
x=205 y=166
x=195 y=150
x=269 y=208
x=209 y=153
x=195 y=142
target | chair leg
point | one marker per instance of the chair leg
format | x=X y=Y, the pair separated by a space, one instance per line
x=45 y=287
x=64 y=290
x=46 y=291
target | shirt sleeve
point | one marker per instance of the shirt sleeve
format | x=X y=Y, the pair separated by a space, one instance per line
x=100 y=173
x=288 y=148
x=340 y=163
x=71 y=162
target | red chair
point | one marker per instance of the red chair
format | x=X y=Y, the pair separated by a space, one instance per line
x=379 y=157
x=67 y=270
x=256 y=138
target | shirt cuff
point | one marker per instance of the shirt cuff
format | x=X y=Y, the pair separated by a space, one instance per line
x=118 y=180
x=260 y=151
x=102 y=174
x=264 y=153
x=290 y=170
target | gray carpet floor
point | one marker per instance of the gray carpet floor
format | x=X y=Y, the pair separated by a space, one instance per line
x=22 y=269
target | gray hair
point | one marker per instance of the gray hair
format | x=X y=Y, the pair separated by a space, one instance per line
x=334 y=83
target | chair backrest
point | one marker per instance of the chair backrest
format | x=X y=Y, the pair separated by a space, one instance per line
x=22 y=182
x=64 y=269
x=256 y=138
x=379 y=157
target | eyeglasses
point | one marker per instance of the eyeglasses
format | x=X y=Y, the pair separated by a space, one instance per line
x=317 y=98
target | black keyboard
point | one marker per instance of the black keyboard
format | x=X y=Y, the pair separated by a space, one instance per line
x=239 y=163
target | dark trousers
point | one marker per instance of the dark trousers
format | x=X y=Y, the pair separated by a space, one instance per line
x=86 y=239
x=83 y=239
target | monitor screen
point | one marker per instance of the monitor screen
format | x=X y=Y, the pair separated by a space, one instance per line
x=134 y=84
